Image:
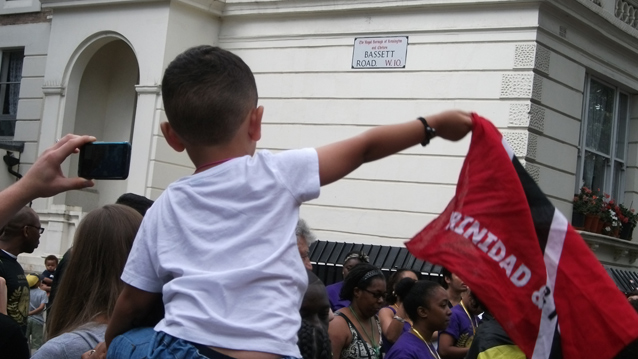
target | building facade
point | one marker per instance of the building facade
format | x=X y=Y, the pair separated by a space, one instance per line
x=559 y=78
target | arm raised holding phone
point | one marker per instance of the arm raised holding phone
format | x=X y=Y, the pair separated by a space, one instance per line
x=45 y=178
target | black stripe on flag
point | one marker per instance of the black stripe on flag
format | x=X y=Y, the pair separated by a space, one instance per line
x=540 y=207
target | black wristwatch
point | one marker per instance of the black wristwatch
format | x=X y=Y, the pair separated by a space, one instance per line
x=430 y=132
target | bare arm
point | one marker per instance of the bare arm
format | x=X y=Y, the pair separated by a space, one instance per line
x=44 y=179
x=340 y=336
x=391 y=327
x=447 y=350
x=132 y=305
x=339 y=159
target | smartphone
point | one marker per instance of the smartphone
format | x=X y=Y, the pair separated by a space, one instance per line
x=105 y=160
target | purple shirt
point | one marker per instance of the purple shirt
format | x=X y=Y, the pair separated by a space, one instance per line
x=460 y=327
x=336 y=302
x=409 y=346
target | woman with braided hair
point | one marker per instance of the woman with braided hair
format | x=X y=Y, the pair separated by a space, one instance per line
x=313 y=341
x=355 y=331
x=334 y=290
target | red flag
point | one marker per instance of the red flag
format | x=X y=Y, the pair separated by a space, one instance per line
x=523 y=259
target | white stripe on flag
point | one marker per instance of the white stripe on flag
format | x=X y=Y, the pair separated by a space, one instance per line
x=507 y=147
x=553 y=251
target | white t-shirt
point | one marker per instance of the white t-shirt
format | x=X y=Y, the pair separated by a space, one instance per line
x=221 y=247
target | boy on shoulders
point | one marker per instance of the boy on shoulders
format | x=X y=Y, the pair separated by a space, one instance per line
x=220 y=245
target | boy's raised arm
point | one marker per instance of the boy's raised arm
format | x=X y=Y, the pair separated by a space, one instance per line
x=340 y=158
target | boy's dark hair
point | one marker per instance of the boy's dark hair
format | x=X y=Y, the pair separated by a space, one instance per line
x=359 y=277
x=419 y=295
x=207 y=93
x=51 y=257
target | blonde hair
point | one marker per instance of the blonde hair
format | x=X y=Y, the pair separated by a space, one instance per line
x=91 y=283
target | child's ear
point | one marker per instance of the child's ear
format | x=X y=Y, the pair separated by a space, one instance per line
x=171 y=137
x=254 y=127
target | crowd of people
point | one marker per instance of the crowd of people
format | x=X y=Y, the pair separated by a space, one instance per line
x=218 y=266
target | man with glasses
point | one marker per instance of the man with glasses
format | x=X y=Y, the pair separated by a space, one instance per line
x=20 y=235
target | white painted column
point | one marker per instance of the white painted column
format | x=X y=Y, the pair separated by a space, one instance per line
x=142 y=139
x=50 y=131
x=59 y=220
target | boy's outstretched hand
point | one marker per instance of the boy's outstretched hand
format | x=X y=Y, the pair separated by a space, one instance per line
x=451 y=125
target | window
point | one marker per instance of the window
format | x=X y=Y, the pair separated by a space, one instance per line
x=10 y=77
x=604 y=133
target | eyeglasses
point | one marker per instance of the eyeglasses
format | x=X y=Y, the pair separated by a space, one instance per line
x=40 y=229
x=376 y=295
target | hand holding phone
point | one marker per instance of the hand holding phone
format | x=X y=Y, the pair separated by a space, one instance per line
x=104 y=160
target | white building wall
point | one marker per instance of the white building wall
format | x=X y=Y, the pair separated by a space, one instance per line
x=187 y=27
x=457 y=58
x=590 y=43
x=156 y=32
x=522 y=64
x=34 y=39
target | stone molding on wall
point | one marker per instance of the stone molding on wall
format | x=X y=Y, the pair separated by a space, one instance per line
x=517 y=85
x=527 y=115
x=148 y=89
x=537 y=88
x=526 y=120
x=519 y=115
x=522 y=85
x=534 y=171
x=532 y=56
x=523 y=143
x=537 y=118
x=53 y=89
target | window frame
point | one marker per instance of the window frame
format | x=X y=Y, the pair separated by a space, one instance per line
x=4 y=82
x=616 y=191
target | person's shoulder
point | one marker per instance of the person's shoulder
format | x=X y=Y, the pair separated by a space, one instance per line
x=457 y=310
x=295 y=155
x=53 y=348
x=387 y=310
x=456 y=317
x=82 y=339
x=404 y=349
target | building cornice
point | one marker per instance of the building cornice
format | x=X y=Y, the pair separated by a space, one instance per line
x=215 y=7
x=56 y=4
x=264 y=7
